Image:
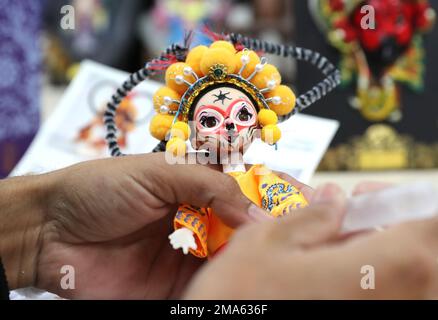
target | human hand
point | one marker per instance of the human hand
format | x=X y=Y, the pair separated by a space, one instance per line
x=302 y=256
x=110 y=220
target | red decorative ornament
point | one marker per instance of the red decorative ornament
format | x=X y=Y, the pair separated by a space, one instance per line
x=380 y=42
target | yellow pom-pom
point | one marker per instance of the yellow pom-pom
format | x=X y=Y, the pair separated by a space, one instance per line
x=223 y=44
x=283 y=100
x=267 y=117
x=271 y=134
x=160 y=125
x=194 y=58
x=176 y=146
x=181 y=130
x=175 y=73
x=268 y=77
x=158 y=99
x=218 y=56
x=253 y=60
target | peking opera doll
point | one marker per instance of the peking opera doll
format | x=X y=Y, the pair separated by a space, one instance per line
x=219 y=99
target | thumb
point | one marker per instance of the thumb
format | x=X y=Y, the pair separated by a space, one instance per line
x=319 y=223
x=201 y=186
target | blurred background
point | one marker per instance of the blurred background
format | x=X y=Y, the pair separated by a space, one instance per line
x=387 y=105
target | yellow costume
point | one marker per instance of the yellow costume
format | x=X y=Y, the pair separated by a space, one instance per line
x=261 y=186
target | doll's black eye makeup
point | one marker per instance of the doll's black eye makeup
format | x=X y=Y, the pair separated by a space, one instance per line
x=243 y=113
x=209 y=119
x=208 y=122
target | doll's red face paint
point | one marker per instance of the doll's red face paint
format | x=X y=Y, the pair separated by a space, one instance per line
x=238 y=115
x=226 y=118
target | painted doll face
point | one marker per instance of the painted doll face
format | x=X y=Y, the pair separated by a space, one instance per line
x=225 y=120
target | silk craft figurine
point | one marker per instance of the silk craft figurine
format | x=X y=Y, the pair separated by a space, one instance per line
x=218 y=99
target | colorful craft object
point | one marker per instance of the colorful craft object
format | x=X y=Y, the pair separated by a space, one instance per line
x=217 y=100
x=380 y=42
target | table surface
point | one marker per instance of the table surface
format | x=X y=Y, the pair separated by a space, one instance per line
x=347 y=180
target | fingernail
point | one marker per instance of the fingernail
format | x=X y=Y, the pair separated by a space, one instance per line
x=324 y=194
x=258 y=214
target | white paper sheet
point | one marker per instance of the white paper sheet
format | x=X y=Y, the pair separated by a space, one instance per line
x=304 y=141
x=55 y=147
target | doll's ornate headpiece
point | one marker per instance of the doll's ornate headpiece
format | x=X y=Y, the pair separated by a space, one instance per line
x=230 y=60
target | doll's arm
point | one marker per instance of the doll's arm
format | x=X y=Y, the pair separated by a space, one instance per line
x=183 y=239
x=288 y=202
x=280 y=197
x=191 y=229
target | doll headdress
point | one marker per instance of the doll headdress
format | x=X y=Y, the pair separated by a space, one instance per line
x=231 y=60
